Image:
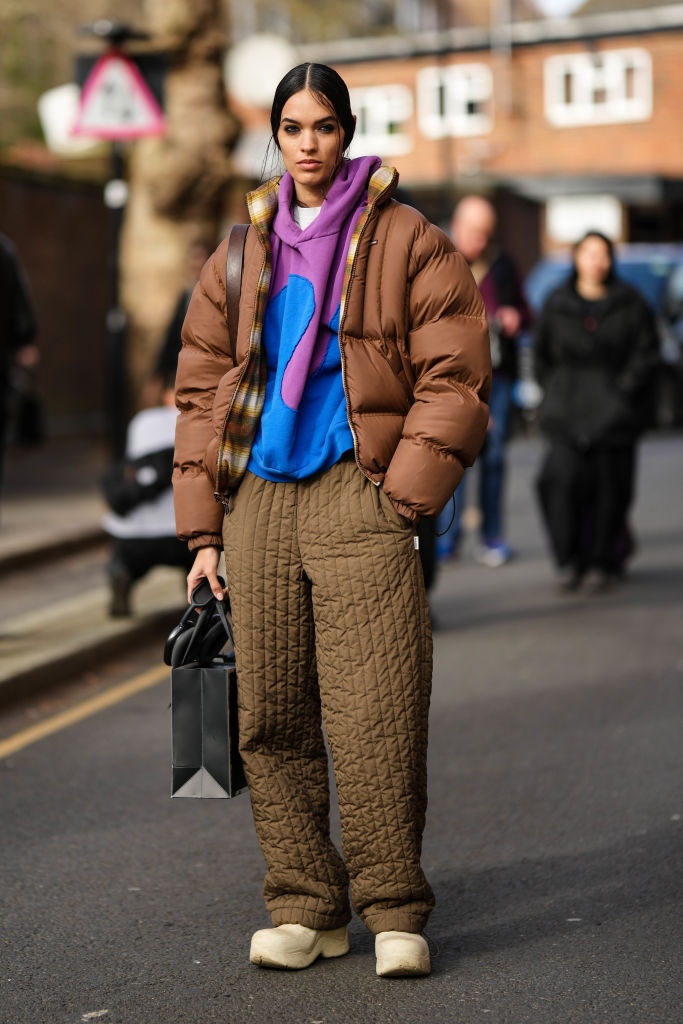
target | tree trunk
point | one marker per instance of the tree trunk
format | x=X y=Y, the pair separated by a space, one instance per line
x=178 y=182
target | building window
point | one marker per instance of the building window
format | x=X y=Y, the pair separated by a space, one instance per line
x=455 y=100
x=382 y=113
x=598 y=88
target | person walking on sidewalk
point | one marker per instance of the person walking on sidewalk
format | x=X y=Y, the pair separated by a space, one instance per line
x=595 y=351
x=473 y=229
x=141 y=522
x=17 y=330
x=357 y=397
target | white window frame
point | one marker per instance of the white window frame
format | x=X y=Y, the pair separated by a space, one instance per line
x=605 y=70
x=377 y=108
x=454 y=87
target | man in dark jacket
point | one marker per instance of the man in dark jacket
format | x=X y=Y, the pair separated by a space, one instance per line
x=17 y=329
x=473 y=229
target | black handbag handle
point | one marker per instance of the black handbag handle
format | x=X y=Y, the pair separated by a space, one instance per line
x=190 y=641
x=220 y=605
x=207 y=638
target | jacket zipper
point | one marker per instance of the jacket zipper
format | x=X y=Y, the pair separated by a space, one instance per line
x=341 y=347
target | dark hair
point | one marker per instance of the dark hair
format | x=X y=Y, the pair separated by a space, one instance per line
x=326 y=85
x=610 y=249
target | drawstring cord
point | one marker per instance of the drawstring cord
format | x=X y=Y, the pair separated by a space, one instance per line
x=452 y=519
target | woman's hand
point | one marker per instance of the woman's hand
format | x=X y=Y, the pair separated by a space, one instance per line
x=509 y=319
x=205 y=567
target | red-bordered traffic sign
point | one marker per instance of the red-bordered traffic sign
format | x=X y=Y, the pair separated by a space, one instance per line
x=116 y=102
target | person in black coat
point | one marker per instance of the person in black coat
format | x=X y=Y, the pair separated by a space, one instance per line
x=17 y=329
x=595 y=351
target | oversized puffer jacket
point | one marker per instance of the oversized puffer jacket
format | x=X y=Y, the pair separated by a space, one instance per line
x=415 y=354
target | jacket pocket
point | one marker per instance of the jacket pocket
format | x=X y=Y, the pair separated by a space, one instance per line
x=406 y=367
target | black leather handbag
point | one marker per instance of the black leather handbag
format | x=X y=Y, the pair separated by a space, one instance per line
x=206 y=758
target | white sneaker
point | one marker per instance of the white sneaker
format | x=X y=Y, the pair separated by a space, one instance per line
x=401 y=955
x=493 y=555
x=294 y=946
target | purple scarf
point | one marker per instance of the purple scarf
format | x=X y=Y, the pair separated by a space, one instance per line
x=318 y=255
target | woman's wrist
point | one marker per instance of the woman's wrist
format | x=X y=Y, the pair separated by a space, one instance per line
x=205 y=540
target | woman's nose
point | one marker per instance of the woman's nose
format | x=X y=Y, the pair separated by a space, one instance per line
x=308 y=141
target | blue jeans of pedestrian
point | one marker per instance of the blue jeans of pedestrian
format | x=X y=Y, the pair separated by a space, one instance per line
x=491 y=464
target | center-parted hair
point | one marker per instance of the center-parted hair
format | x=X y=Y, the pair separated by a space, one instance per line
x=328 y=87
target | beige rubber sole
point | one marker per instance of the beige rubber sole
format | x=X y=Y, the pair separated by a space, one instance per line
x=393 y=967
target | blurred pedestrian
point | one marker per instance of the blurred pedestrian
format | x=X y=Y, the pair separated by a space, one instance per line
x=139 y=492
x=473 y=228
x=167 y=358
x=595 y=353
x=17 y=330
x=333 y=431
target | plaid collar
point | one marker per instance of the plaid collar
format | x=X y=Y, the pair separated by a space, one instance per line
x=262 y=204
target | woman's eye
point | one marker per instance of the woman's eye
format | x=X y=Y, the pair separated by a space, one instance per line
x=290 y=129
x=327 y=128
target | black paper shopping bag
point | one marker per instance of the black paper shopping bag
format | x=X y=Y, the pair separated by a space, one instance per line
x=206 y=758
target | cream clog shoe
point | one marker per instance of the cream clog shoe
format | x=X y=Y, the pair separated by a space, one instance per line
x=293 y=946
x=401 y=955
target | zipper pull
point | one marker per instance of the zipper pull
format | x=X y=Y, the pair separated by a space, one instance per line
x=222 y=500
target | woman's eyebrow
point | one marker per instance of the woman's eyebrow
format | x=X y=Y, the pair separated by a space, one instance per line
x=323 y=120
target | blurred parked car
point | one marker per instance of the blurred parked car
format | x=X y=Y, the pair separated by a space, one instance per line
x=657 y=272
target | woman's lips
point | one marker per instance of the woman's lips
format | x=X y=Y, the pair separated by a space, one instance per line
x=308 y=165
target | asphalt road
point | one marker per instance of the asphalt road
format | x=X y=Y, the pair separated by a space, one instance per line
x=554 y=838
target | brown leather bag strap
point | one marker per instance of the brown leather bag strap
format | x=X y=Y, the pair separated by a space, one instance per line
x=233 y=282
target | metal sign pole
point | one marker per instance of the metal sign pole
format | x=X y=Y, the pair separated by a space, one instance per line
x=115 y=197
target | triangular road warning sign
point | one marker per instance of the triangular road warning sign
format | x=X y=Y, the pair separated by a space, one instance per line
x=116 y=102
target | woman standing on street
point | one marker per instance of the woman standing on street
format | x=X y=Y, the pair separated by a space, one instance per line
x=595 y=350
x=356 y=400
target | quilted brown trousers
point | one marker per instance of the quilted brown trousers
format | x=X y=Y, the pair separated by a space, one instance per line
x=332 y=627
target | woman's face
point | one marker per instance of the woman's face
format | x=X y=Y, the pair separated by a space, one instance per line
x=311 y=141
x=592 y=260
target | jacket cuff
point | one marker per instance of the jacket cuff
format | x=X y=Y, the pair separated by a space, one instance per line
x=197 y=513
x=205 y=540
x=416 y=466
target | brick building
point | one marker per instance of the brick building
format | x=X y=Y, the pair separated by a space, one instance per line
x=569 y=123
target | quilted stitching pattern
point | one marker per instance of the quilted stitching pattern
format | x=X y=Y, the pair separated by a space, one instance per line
x=331 y=624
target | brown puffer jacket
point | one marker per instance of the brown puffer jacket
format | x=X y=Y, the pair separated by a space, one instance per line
x=415 y=351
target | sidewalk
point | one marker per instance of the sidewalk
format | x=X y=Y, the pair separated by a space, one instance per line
x=50 y=501
x=54 y=619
